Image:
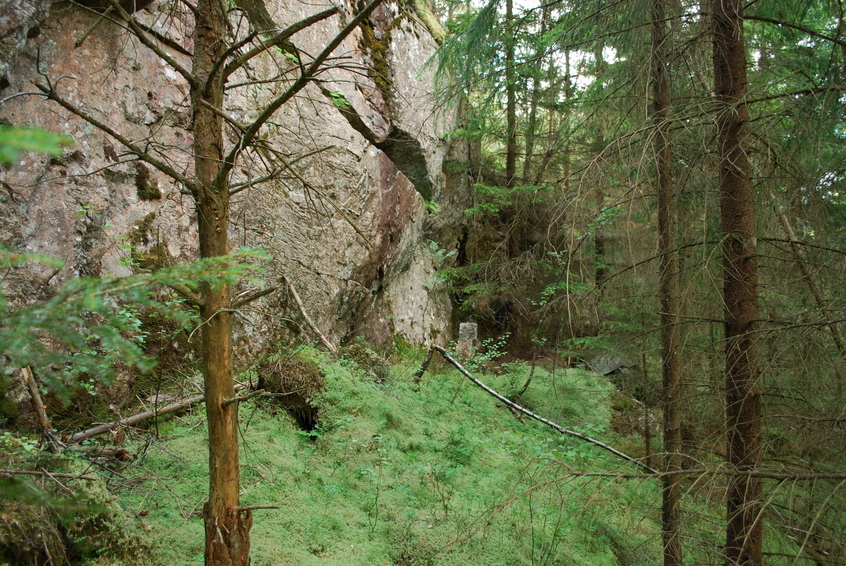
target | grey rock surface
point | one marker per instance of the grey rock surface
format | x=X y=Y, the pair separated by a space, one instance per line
x=18 y=20
x=351 y=238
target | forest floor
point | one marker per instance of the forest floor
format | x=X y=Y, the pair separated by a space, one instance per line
x=401 y=473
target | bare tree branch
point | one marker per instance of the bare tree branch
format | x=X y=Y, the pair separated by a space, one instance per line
x=46 y=473
x=135 y=419
x=142 y=37
x=509 y=403
x=129 y=144
x=297 y=86
x=241 y=300
x=278 y=39
x=263 y=149
x=329 y=346
x=797 y=27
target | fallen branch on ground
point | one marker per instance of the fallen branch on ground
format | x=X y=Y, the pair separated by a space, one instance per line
x=509 y=403
x=46 y=473
x=135 y=419
x=40 y=409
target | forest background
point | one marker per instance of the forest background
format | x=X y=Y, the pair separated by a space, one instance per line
x=661 y=184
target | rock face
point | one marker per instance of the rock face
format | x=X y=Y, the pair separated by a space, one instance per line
x=348 y=224
x=19 y=19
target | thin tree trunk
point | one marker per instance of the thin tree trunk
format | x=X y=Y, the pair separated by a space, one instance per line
x=532 y=125
x=744 y=531
x=226 y=527
x=668 y=290
x=511 y=98
x=810 y=280
x=551 y=97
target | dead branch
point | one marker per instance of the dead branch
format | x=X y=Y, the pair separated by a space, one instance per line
x=764 y=474
x=508 y=402
x=423 y=367
x=239 y=398
x=329 y=346
x=40 y=409
x=129 y=144
x=249 y=296
x=142 y=37
x=306 y=77
x=278 y=39
x=135 y=419
x=45 y=473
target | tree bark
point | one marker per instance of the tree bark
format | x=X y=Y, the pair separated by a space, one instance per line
x=667 y=291
x=227 y=529
x=511 y=98
x=744 y=532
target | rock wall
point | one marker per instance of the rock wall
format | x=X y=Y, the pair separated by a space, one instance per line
x=348 y=224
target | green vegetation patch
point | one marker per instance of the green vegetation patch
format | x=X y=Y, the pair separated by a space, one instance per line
x=394 y=474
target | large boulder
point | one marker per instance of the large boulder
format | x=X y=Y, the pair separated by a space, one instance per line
x=348 y=227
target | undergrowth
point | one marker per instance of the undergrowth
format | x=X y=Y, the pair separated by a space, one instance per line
x=399 y=475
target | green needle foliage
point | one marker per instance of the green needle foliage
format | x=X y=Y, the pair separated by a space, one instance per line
x=15 y=140
x=90 y=325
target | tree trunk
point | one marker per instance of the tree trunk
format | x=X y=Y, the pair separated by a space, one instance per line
x=744 y=532
x=532 y=125
x=511 y=98
x=227 y=529
x=668 y=290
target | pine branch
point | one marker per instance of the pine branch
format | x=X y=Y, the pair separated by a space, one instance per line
x=797 y=27
x=189 y=295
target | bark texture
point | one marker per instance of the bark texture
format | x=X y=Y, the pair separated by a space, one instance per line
x=668 y=290
x=227 y=530
x=744 y=532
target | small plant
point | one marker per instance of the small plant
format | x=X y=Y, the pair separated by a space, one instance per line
x=13 y=443
x=86 y=209
x=93 y=324
x=439 y=257
x=339 y=100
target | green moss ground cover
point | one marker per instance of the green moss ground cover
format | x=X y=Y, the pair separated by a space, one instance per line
x=397 y=475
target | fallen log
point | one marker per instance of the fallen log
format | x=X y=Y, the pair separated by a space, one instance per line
x=48 y=474
x=135 y=419
x=511 y=404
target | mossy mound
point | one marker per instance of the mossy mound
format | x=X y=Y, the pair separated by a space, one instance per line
x=297 y=381
x=67 y=523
